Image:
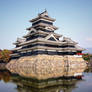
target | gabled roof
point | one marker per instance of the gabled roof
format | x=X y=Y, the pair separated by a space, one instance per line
x=79 y=48
x=19 y=40
x=49 y=36
x=32 y=30
x=43 y=15
x=68 y=40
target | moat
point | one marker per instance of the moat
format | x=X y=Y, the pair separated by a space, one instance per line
x=12 y=82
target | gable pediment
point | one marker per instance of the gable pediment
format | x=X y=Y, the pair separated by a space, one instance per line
x=32 y=30
x=51 y=37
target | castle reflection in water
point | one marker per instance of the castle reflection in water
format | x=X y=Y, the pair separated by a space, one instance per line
x=30 y=85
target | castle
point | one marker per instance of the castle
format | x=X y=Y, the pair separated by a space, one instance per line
x=44 y=54
x=41 y=39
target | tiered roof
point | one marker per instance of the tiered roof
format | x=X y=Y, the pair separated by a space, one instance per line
x=42 y=39
x=43 y=15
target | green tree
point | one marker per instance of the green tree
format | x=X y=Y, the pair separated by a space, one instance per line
x=87 y=56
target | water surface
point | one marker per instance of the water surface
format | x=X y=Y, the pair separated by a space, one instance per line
x=14 y=83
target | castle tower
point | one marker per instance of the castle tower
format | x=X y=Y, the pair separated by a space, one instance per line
x=41 y=54
x=41 y=39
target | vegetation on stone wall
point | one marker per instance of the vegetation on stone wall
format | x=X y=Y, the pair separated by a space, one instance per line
x=87 y=56
x=5 y=55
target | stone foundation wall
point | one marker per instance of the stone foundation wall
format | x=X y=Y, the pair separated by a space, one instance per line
x=47 y=66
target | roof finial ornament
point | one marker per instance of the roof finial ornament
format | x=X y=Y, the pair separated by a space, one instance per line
x=45 y=10
x=45 y=13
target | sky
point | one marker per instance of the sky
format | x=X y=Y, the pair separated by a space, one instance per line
x=73 y=18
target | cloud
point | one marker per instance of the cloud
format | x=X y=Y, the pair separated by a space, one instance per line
x=89 y=39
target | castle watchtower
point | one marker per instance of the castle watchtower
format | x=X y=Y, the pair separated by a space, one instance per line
x=41 y=39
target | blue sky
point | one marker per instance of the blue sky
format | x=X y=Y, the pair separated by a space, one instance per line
x=73 y=17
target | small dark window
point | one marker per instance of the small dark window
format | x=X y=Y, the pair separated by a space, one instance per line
x=32 y=31
x=46 y=16
x=52 y=39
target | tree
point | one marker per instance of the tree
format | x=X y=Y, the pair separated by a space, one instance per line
x=87 y=56
x=0 y=55
x=5 y=55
